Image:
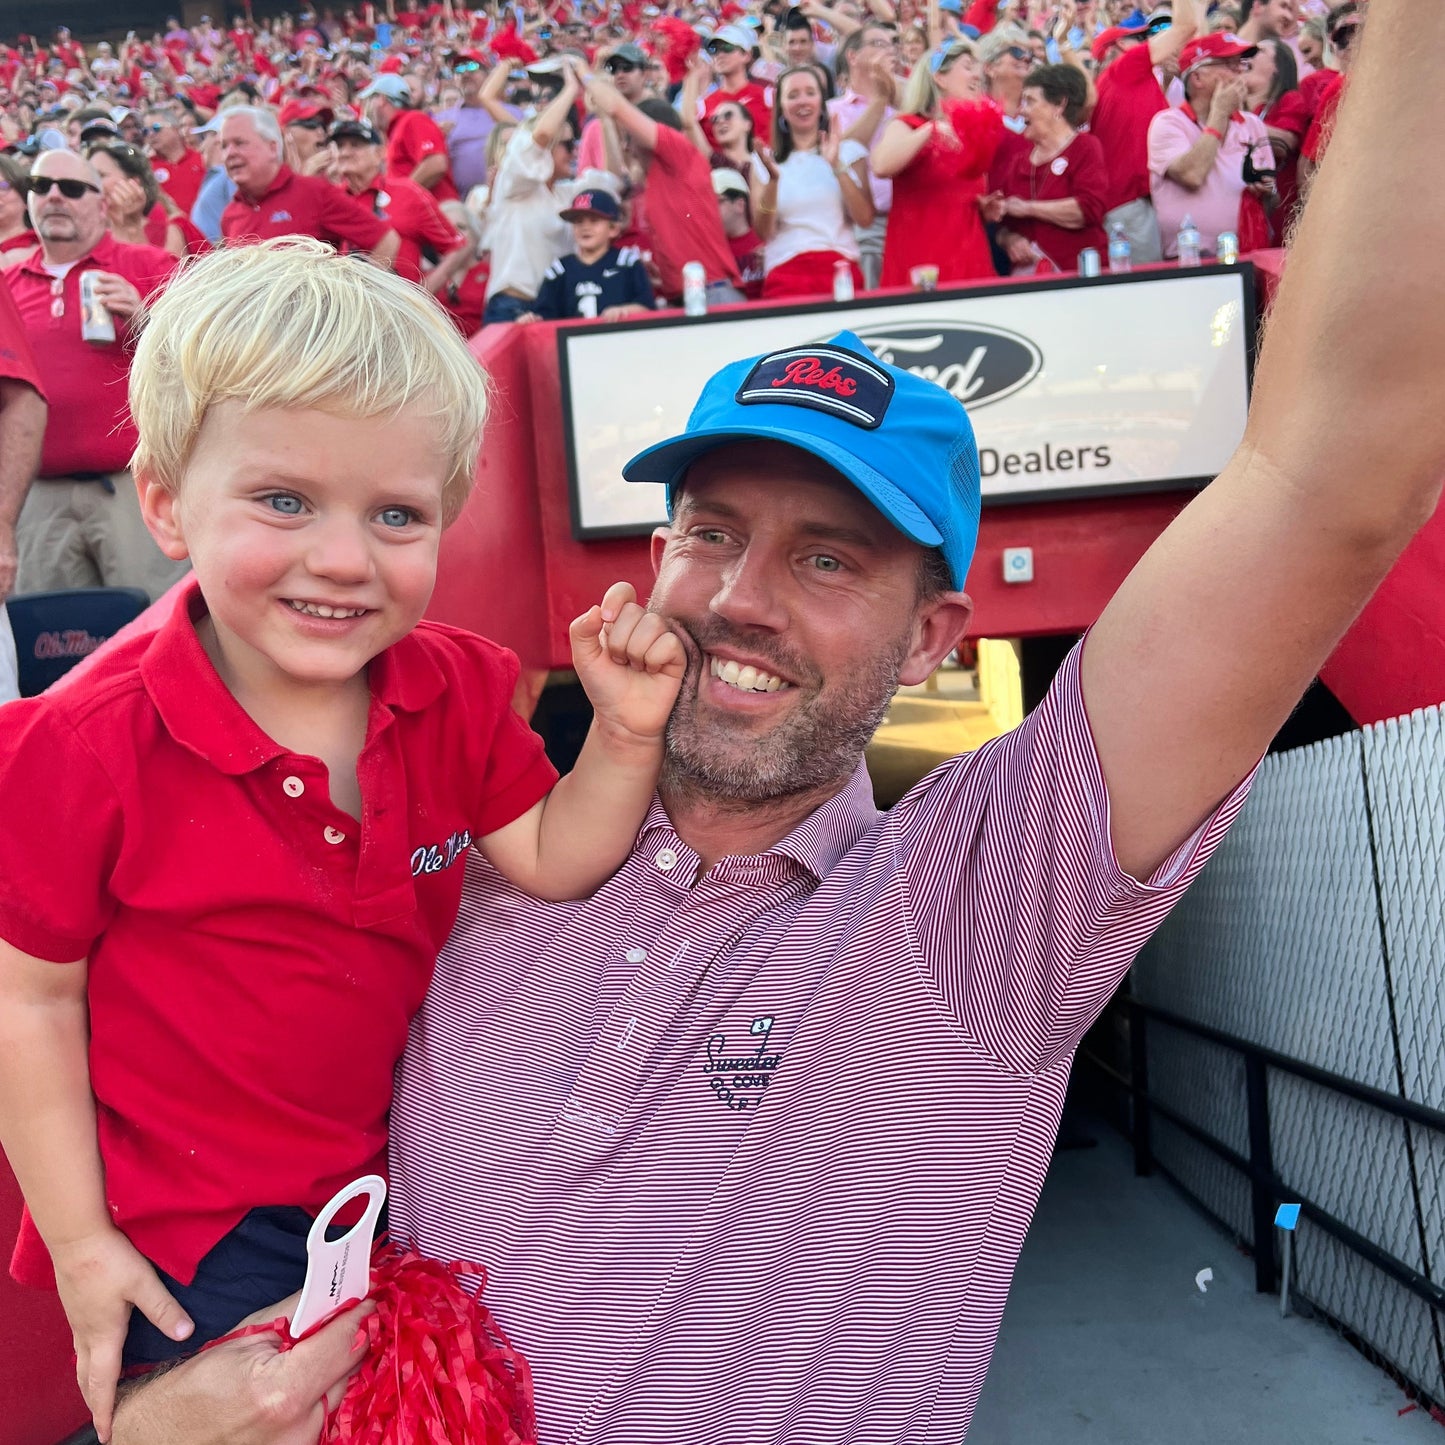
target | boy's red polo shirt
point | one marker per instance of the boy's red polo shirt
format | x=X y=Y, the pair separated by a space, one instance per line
x=302 y=206
x=255 y=954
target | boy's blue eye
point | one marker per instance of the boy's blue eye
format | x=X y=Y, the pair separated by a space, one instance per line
x=397 y=516
x=284 y=503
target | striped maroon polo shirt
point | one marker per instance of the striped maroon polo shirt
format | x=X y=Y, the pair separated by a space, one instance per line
x=750 y=1157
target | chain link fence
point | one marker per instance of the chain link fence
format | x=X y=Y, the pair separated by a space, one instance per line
x=1317 y=934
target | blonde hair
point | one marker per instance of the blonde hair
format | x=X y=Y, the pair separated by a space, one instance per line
x=289 y=323
x=921 y=93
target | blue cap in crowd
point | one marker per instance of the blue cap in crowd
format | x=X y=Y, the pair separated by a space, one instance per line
x=903 y=441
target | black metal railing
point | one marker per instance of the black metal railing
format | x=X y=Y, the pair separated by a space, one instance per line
x=1267 y=1190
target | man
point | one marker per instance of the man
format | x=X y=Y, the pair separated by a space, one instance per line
x=80 y=525
x=1129 y=97
x=677 y=210
x=1261 y=20
x=732 y=51
x=626 y=67
x=749 y=1141
x=271 y=200
x=414 y=214
x=865 y=69
x=304 y=126
x=468 y=126
x=733 y=201
x=22 y=431
x=416 y=148
x=179 y=169
x=1199 y=151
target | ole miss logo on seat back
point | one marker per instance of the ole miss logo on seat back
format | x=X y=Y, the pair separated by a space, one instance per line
x=825 y=378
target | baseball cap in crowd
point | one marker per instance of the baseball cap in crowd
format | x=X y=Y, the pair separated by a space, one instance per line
x=1106 y=40
x=300 y=112
x=468 y=58
x=390 y=87
x=903 y=441
x=738 y=36
x=1206 y=49
x=628 y=54
x=99 y=130
x=728 y=182
x=593 y=203
x=355 y=130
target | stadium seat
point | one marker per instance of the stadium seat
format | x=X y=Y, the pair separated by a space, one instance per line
x=55 y=630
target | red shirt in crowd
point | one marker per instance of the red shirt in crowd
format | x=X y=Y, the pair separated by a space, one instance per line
x=935 y=220
x=415 y=215
x=1079 y=172
x=1327 y=96
x=677 y=212
x=411 y=137
x=1129 y=98
x=90 y=430
x=757 y=100
x=17 y=361
x=302 y=206
x=255 y=954
x=158 y=221
x=181 y=180
x=747 y=251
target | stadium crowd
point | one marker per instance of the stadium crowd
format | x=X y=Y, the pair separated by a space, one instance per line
x=587 y=159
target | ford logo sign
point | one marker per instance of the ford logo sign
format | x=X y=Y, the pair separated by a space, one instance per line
x=977 y=364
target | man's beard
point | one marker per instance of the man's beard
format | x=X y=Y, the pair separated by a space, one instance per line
x=817 y=745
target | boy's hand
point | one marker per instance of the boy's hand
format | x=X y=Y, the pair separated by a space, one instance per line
x=631 y=664
x=99 y=1278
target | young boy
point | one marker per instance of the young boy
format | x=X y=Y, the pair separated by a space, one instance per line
x=234 y=845
x=599 y=280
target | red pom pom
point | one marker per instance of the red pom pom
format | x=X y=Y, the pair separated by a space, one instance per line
x=440 y=1371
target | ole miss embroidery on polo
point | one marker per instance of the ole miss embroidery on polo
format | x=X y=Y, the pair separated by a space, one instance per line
x=825 y=378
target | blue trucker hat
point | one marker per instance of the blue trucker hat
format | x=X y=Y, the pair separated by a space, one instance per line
x=903 y=441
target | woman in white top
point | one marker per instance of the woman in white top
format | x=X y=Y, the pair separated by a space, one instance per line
x=525 y=230
x=808 y=193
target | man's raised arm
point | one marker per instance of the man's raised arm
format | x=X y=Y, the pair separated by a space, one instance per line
x=1217 y=632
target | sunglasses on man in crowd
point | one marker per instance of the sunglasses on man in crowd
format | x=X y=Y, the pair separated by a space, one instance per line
x=68 y=187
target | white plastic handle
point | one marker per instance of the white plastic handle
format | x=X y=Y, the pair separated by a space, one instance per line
x=338 y=1270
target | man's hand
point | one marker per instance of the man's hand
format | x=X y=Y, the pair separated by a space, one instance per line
x=630 y=663
x=1224 y=102
x=117 y=295
x=99 y=1278
x=621 y=313
x=247 y=1391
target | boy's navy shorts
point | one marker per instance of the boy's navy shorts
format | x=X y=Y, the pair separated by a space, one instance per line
x=261 y=1261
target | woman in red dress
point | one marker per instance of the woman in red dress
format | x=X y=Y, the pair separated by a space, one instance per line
x=937 y=150
x=1053 y=191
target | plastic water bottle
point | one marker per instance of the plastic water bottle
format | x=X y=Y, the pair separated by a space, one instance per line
x=1226 y=249
x=842 y=281
x=1121 y=253
x=694 y=289
x=1188 y=243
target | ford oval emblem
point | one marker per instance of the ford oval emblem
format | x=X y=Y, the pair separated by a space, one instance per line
x=977 y=364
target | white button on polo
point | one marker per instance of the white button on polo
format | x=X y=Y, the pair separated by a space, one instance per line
x=665 y=859
x=334 y=835
x=293 y=787
x=637 y=955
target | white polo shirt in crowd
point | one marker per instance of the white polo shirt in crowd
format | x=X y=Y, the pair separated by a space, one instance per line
x=751 y=1156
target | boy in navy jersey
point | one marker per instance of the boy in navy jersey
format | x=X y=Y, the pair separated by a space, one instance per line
x=599 y=281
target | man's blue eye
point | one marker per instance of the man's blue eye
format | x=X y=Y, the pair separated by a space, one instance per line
x=397 y=516
x=285 y=504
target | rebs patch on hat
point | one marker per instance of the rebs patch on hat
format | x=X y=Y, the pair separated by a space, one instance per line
x=824 y=378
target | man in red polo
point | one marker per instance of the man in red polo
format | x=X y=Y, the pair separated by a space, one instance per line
x=414 y=214
x=1130 y=96
x=272 y=200
x=416 y=147
x=179 y=169
x=80 y=525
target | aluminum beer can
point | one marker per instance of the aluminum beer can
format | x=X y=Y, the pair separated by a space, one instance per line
x=842 y=281
x=1088 y=262
x=96 y=323
x=1226 y=248
x=694 y=289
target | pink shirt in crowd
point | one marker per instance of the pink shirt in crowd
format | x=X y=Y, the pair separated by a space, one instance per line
x=1214 y=207
x=752 y=1155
